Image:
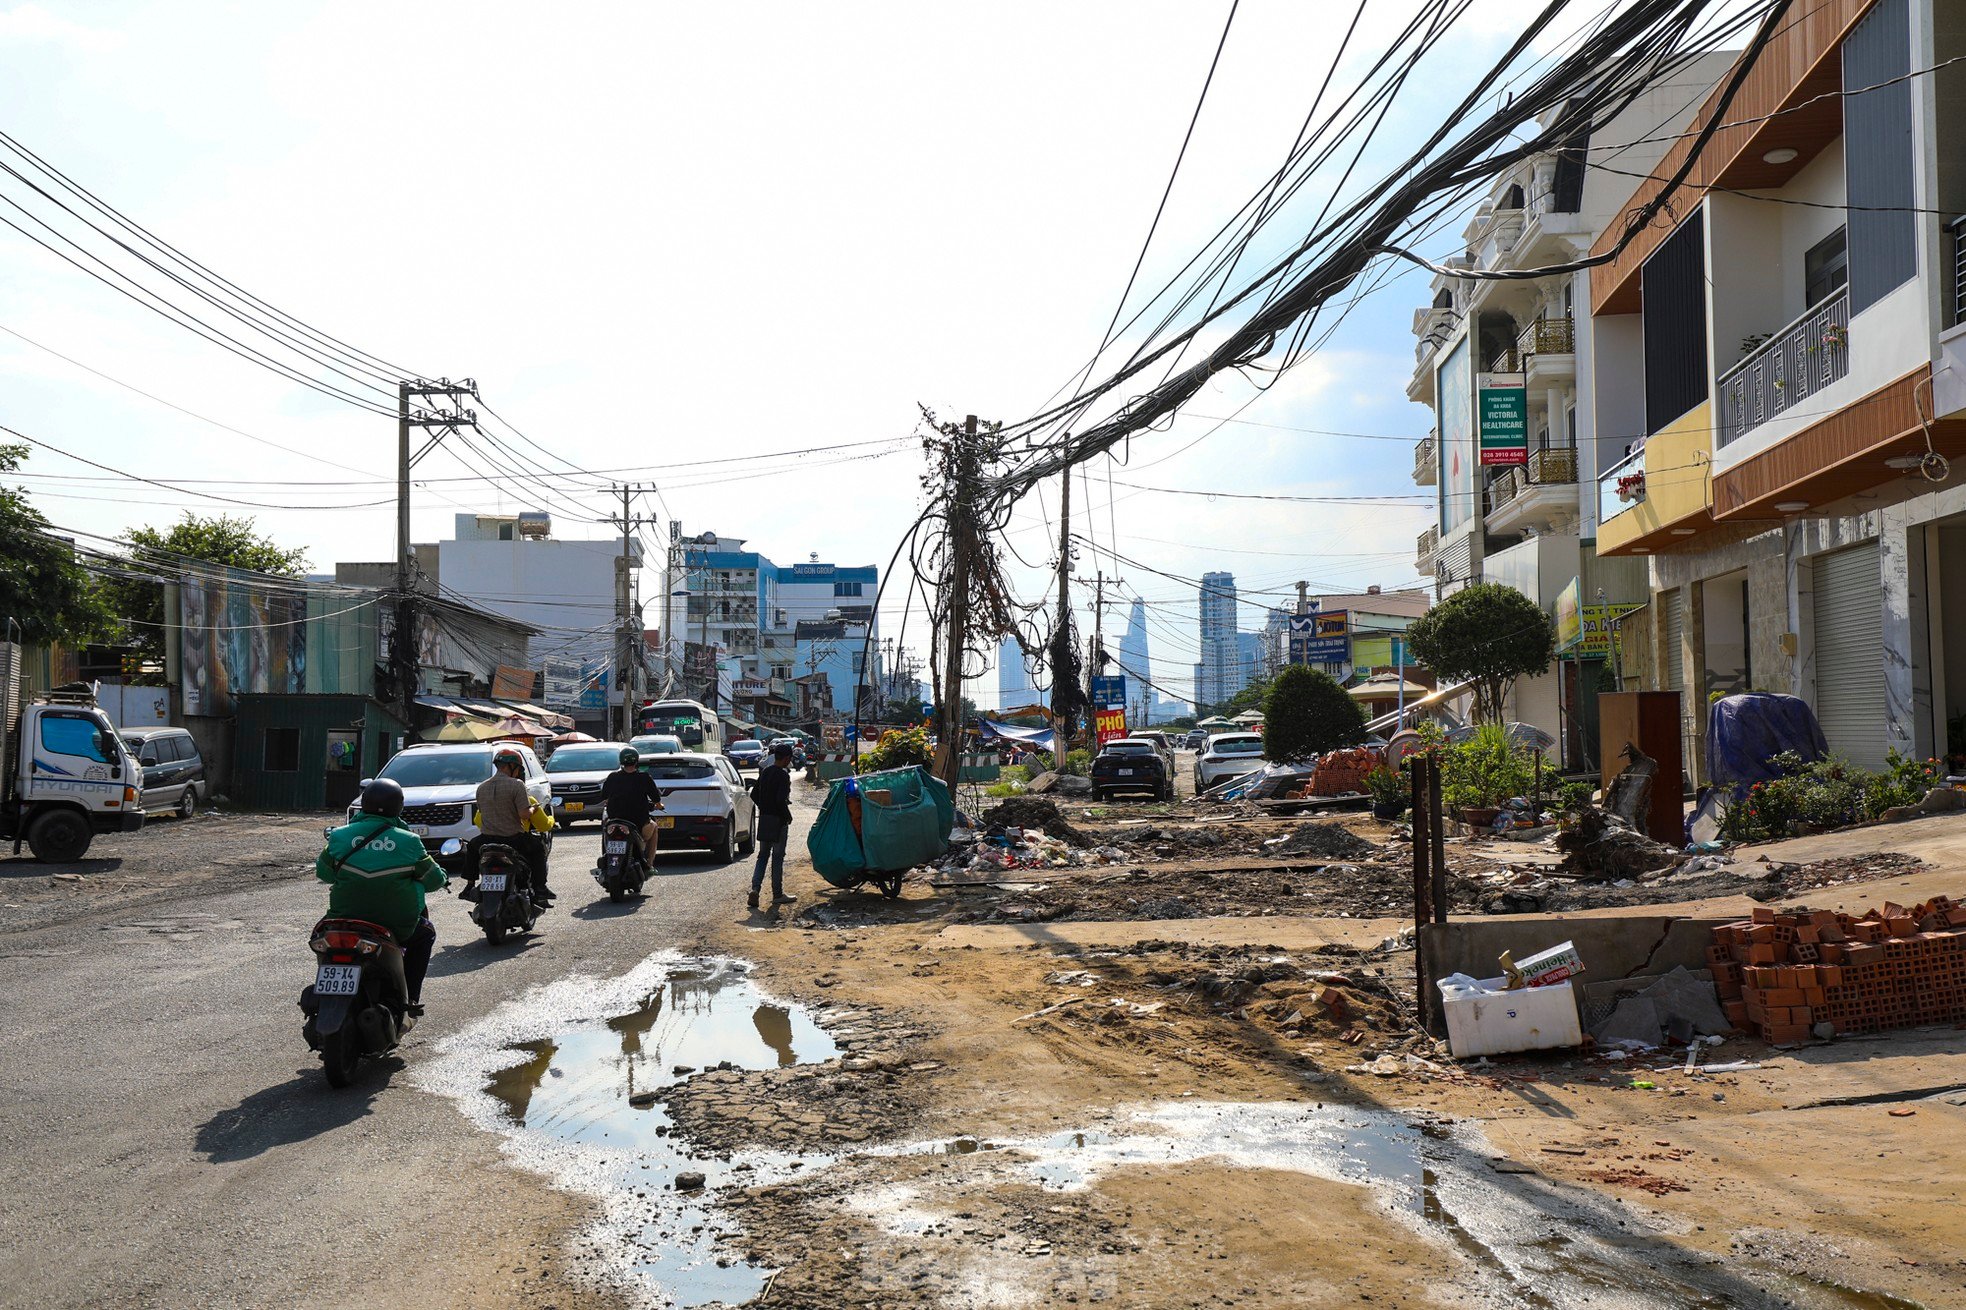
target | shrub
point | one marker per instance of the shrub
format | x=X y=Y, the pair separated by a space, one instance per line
x=1574 y=795
x=1489 y=634
x=898 y=748
x=1387 y=785
x=1828 y=793
x=1307 y=713
x=1484 y=771
x=1078 y=762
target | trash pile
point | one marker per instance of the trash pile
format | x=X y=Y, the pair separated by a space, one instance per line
x=1532 y=1006
x=1600 y=845
x=1034 y=812
x=1676 y=1009
x=1803 y=973
x=1325 y=839
x=1025 y=832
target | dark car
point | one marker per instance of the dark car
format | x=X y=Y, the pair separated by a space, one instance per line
x=1131 y=765
x=746 y=754
x=173 y=771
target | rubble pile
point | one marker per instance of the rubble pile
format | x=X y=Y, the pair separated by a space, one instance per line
x=1034 y=812
x=1324 y=839
x=1818 y=972
x=1602 y=845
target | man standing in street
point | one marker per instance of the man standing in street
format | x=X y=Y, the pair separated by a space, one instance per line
x=773 y=793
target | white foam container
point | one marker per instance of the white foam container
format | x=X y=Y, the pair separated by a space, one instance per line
x=1487 y=1020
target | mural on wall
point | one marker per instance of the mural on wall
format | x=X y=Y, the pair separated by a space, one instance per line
x=236 y=638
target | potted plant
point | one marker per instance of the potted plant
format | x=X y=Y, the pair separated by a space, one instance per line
x=1387 y=788
x=1477 y=775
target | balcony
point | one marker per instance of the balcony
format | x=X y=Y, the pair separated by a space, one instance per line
x=1426 y=467
x=1621 y=487
x=1548 y=349
x=1541 y=494
x=1956 y=297
x=1783 y=371
x=1423 y=560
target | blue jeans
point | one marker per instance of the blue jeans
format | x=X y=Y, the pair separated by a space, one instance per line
x=772 y=834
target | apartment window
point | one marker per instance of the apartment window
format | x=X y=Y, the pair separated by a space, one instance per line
x=846 y=588
x=1512 y=198
x=1825 y=268
x=1443 y=299
x=282 y=750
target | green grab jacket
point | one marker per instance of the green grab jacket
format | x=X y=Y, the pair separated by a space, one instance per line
x=383 y=881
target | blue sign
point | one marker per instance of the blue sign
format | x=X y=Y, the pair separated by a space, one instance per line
x=594 y=686
x=928 y=710
x=852 y=732
x=1326 y=650
x=1108 y=692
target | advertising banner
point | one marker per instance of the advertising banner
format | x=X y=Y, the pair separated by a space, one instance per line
x=562 y=677
x=1502 y=412
x=236 y=638
x=1584 y=632
x=1330 y=641
x=1303 y=627
x=1109 y=724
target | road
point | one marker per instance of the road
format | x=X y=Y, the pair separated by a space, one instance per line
x=170 y=1140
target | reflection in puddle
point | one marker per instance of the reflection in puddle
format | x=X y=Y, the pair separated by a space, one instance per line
x=557 y=1071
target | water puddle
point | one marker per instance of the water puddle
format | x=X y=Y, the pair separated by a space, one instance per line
x=573 y=1077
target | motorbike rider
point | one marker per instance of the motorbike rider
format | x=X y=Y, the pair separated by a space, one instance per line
x=377 y=870
x=505 y=817
x=630 y=795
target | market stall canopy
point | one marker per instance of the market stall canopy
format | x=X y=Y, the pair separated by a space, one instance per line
x=573 y=738
x=537 y=714
x=1247 y=716
x=1388 y=689
x=1216 y=721
x=472 y=729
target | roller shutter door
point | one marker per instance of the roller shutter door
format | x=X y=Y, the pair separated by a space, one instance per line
x=1848 y=607
x=1675 y=679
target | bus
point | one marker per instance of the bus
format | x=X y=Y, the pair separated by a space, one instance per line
x=692 y=722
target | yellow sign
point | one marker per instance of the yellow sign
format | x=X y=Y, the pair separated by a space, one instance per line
x=1584 y=631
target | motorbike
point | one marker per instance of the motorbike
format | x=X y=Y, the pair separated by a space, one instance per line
x=623 y=866
x=358 y=1003
x=503 y=896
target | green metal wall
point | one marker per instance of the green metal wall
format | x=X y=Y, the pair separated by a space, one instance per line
x=315 y=717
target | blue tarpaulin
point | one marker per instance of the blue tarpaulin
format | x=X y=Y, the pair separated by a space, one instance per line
x=1745 y=732
x=1041 y=738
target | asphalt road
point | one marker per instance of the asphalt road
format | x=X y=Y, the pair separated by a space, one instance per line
x=168 y=1137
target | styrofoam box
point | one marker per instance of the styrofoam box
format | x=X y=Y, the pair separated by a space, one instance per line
x=1491 y=1021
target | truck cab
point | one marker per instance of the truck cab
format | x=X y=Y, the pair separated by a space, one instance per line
x=65 y=774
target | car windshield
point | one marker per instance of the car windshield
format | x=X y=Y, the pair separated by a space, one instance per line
x=680 y=768
x=1239 y=746
x=584 y=759
x=1129 y=748
x=745 y=747
x=439 y=768
x=656 y=745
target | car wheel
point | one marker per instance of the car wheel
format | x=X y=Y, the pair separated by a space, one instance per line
x=751 y=836
x=187 y=804
x=727 y=852
x=59 y=837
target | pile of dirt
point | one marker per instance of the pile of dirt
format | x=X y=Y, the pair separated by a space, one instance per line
x=1328 y=840
x=1602 y=846
x=1035 y=812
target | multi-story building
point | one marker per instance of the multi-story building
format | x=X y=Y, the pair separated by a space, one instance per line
x=1788 y=348
x=1134 y=664
x=1518 y=425
x=1014 y=683
x=1221 y=672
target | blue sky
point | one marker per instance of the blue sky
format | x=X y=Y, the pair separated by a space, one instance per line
x=659 y=234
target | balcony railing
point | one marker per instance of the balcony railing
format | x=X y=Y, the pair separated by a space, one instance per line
x=1548 y=336
x=1628 y=472
x=1425 y=465
x=1956 y=230
x=1794 y=364
x=1424 y=549
x=1551 y=467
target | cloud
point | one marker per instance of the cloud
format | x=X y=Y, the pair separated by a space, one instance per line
x=30 y=24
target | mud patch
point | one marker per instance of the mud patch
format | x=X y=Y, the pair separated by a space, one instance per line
x=574 y=1076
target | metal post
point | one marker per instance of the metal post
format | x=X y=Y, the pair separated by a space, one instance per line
x=1419 y=770
x=1437 y=831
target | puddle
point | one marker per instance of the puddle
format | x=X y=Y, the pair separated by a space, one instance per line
x=572 y=1074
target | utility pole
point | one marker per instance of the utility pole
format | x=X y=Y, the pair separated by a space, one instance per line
x=670 y=644
x=1061 y=728
x=1093 y=663
x=628 y=659
x=405 y=655
x=949 y=723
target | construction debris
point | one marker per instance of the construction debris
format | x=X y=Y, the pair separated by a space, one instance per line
x=1603 y=846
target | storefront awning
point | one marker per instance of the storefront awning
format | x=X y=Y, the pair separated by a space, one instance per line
x=537 y=713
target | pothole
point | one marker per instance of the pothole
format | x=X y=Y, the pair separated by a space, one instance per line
x=573 y=1077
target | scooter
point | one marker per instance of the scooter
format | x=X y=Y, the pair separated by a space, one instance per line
x=622 y=868
x=359 y=1002
x=503 y=894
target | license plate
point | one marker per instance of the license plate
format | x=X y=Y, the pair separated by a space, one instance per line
x=614 y=848
x=491 y=882
x=337 y=980
x=575 y=807
x=1126 y=773
x=665 y=823
x=420 y=829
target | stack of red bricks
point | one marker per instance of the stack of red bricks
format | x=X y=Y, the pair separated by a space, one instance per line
x=1784 y=973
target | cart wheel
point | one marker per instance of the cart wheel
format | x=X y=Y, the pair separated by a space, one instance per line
x=889 y=887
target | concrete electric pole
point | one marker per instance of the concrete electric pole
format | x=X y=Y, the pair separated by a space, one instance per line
x=405 y=654
x=628 y=657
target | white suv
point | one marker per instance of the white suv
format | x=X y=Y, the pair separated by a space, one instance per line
x=1229 y=755
x=440 y=785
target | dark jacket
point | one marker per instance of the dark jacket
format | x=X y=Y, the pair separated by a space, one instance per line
x=630 y=795
x=773 y=793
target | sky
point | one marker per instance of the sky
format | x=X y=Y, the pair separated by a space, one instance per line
x=659 y=235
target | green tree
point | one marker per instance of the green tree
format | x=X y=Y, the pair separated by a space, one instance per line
x=1487 y=634
x=41 y=586
x=1307 y=713
x=1251 y=697
x=224 y=540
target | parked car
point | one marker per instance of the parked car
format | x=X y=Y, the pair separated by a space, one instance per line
x=1196 y=739
x=1229 y=755
x=656 y=743
x=746 y=754
x=576 y=773
x=1154 y=735
x=440 y=788
x=173 y=771
x=1132 y=765
x=798 y=749
x=706 y=805
x=1158 y=740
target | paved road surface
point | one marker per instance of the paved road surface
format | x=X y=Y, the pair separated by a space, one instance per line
x=169 y=1140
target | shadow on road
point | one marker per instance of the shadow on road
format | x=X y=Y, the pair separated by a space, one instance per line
x=26 y=866
x=604 y=908
x=472 y=954
x=301 y=1108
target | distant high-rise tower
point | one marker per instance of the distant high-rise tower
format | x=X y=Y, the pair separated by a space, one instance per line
x=1222 y=668
x=1133 y=663
x=1013 y=676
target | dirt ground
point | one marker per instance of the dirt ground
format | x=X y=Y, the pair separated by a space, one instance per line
x=1027 y=1032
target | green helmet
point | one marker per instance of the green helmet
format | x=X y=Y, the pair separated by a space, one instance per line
x=629 y=757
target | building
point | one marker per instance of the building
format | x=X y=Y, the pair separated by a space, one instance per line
x=1520 y=426
x=1015 y=685
x=1134 y=664
x=1221 y=672
x=1788 y=346
x=839 y=650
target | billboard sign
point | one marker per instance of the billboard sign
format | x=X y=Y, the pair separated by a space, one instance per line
x=1108 y=692
x=1502 y=411
x=1329 y=641
x=236 y=637
x=1109 y=724
x=562 y=678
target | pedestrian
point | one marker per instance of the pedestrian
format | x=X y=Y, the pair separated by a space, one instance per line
x=773 y=793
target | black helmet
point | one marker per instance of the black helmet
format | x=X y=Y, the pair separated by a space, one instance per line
x=383 y=797
x=630 y=757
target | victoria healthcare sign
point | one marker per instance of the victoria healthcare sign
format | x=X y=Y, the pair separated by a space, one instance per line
x=1502 y=417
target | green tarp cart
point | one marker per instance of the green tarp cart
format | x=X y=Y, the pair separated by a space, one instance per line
x=904 y=819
